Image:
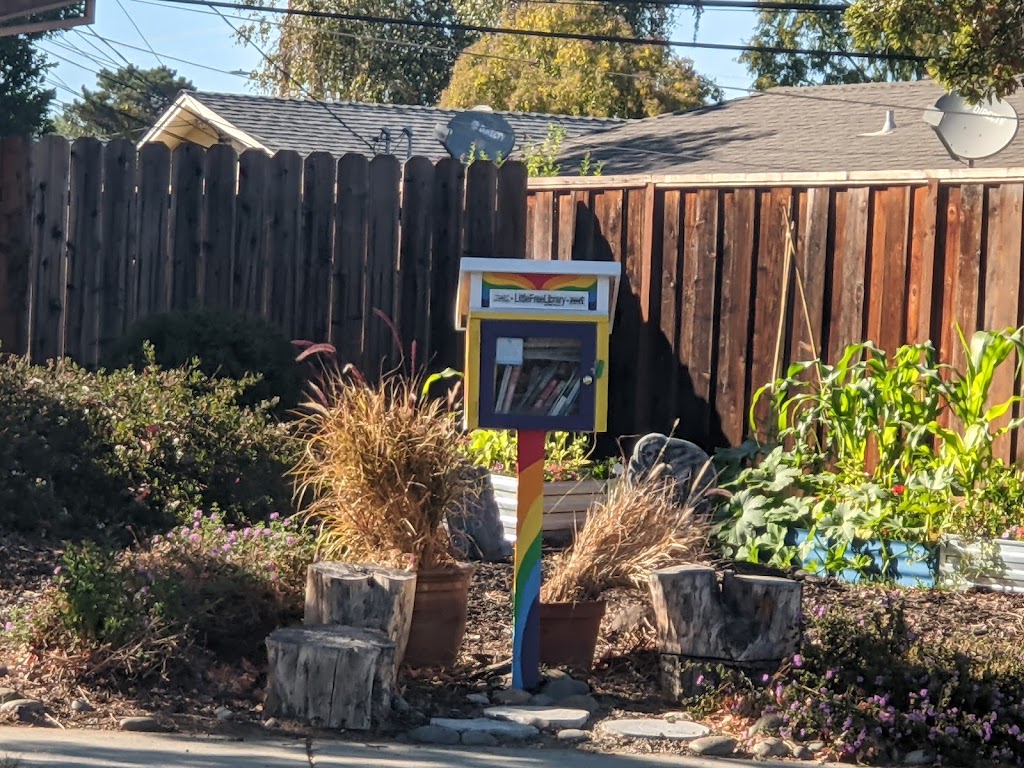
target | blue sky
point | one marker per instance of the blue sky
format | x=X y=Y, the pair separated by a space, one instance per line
x=209 y=54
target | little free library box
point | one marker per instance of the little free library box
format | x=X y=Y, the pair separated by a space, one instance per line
x=537 y=342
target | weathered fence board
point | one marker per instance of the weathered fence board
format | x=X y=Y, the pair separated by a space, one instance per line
x=710 y=307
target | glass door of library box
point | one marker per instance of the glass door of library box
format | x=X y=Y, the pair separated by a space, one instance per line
x=537 y=375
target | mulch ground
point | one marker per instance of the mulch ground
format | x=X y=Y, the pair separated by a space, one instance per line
x=624 y=677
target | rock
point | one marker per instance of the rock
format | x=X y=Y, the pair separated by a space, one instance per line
x=580 y=701
x=674 y=717
x=573 y=734
x=564 y=687
x=770 y=748
x=713 y=746
x=655 y=454
x=816 y=746
x=800 y=751
x=477 y=531
x=3 y=671
x=540 y=717
x=223 y=714
x=541 y=700
x=9 y=694
x=81 y=705
x=501 y=728
x=765 y=723
x=512 y=696
x=918 y=757
x=144 y=724
x=479 y=698
x=434 y=734
x=479 y=739
x=271 y=722
x=399 y=705
x=651 y=728
x=24 y=709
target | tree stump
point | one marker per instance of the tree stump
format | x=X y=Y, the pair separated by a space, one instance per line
x=751 y=623
x=332 y=676
x=367 y=597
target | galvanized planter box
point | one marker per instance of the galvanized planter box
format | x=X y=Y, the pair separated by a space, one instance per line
x=996 y=564
x=565 y=505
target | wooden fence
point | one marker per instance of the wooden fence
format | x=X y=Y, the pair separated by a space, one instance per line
x=711 y=309
x=93 y=237
x=315 y=244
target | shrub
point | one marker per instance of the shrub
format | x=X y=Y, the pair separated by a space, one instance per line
x=380 y=467
x=146 y=611
x=228 y=345
x=637 y=529
x=875 y=447
x=88 y=452
x=867 y=686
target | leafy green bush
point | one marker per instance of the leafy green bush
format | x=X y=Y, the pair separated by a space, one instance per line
x=566 y=456
x=228 y=345
x=84 y=453
x=208 y=586
x=873 y=690
x=875 y=447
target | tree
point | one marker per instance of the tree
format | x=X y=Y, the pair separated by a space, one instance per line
x=815 y=31
x=24 y=99
x=385 y=63
x=573 y=77
x=975 y=47
x=360 y=61
x=126 y=102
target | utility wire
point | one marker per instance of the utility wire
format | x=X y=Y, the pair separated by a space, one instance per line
x=719 y=5
x=266 y=57
x=483 y=29
x=144 y=40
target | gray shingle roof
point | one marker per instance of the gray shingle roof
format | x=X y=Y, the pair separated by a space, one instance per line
x=306 y=126
x=803 y=130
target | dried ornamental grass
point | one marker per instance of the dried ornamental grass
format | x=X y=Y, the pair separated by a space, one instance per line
x=379 y=470
x=637 y=529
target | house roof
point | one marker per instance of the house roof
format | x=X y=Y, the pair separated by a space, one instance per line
x=308 y=126
x=789 y=130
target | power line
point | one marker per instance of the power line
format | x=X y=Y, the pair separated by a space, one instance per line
x=144 y=40
x=482 y=29
x=248 y=39
x=720 y=5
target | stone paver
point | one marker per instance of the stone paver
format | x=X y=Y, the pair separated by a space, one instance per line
x=503 y=729
x=541 y=717
x=649 y=728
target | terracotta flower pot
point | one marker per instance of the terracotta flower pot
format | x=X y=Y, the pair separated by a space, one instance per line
x=568 y=633
x=439 y=616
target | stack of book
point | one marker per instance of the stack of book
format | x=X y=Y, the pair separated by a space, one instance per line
x=546 y=383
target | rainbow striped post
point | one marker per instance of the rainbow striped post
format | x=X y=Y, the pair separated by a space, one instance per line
x=526 y=585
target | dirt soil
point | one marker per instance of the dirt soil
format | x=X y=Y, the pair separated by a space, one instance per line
x=624 y=677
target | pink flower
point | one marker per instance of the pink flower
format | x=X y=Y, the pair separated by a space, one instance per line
x=798 y=661
x=194 y=538
x=289 y=540
x=170 y=535
x=197 y=515
x=56 y=571
x=274 y=515
x=8 y=627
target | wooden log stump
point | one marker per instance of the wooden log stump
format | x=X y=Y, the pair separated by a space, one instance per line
x=752 y=623
x=331 y=676
x=363 y=596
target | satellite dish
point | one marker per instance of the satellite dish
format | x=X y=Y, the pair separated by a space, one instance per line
x=972 y=131
x=488 y=132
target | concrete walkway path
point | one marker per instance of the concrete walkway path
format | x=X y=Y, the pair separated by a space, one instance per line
x=51 y=748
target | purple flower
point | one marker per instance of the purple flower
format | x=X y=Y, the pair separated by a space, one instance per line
x=197 y=515
x=286 y=522
x=924 y=693
x=274 y=515
x=144 y=591
x=798 y=661
x=247 y=532
x=194 y=538
x=8 y=626
x=700 y=679
x=267 y=532
x=226 y=548
x=291 y=540
x=170 y=535
x=56 y=571
x=829 y=674
x=764 y=678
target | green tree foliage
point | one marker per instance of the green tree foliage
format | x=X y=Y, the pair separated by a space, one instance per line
x=125 y=103
x=359 y=61
x=975 y=47
x=814 y=31
x=24 y=97
x=573 y=77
